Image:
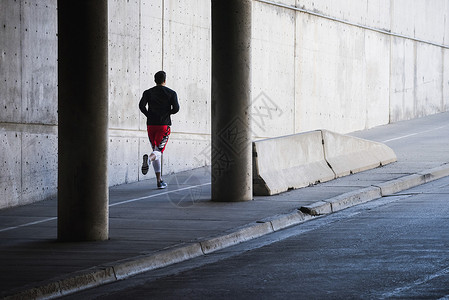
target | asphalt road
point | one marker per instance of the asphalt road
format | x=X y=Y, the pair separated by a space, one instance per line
x=392 y=248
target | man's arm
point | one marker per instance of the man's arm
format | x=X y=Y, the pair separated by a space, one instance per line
x=143 y=105
x=175 y=104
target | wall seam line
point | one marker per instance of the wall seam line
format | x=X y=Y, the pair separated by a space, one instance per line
x=21 y=102
x=140 y=85
x=352 y=23
x=163 y=32
x=294 y=72
x=391 y=63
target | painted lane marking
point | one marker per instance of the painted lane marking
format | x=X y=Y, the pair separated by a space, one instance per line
x=160 y=194
x=28 y=224
x=412 y=134
x=110 y=205
x=416 y=283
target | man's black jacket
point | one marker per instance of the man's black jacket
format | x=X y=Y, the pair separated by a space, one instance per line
x=162 y=102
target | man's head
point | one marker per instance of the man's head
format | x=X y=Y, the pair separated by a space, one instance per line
x=160 y=77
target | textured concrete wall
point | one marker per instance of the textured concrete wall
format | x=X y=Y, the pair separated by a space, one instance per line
x=28 y=101
x=350 y=77
x=419 y=80
x=373 y=13
x=309 y=72
x=445 y=82
x=145 y=37
x=273 y=70
x=187 y=61
x=342 y=76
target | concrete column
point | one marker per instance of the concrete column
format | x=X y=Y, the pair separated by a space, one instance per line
x=82 y=120
x=231 y=100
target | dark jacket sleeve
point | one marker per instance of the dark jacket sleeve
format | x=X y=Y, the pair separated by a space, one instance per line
x=174 y=104
x=143 y=104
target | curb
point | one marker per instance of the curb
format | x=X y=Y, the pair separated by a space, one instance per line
x=342 y=201
x=374 y=192
x=119 y=270
x=123 y=269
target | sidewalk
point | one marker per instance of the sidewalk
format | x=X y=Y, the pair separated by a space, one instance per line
x=150 y=228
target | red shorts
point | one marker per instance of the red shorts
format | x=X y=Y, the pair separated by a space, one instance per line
x=158 y=135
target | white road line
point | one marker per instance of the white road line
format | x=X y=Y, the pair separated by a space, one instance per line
x=412 y=134
x=416 y=283
x=28 y=224
x=110 y=205
x=159 y=194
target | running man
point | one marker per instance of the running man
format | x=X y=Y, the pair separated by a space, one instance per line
x=162 y=103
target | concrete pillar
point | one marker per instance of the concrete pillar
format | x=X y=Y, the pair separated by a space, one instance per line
x=82 y=120
x=231 y=100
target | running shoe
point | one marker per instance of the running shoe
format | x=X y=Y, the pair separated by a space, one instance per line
x=161 y=185
x=145 y=165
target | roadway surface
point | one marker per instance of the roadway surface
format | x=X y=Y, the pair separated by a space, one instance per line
x=145 y=222
x=396 y=247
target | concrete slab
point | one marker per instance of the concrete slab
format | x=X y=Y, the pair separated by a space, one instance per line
x=354 y=198
x=300 y=160
x=428 y=79
x=445 y=100
x=369 y=13
x=347 y=155
x=334 y=99
x=149 y=262
x=10 y=168
x=435 y=173
x=122 y=160
x=394 y=186
x=39 y=62
x=273 y=56
x=288 y=162
x=186 y=40
x=10 y=68
x=402 y=79
x=236 y=236
x=317 y=208
x=420 y=20
x=39 y=166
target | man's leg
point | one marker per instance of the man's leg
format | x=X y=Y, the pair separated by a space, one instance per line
x=156 y=154
x=155 y=159
x=158 y=136
x=157 y=166
x=148 y=159
x=162 y=139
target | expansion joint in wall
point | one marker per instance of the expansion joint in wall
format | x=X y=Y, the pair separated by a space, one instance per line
x=383 y=31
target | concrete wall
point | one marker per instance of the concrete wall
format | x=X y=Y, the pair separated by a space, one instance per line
x=326 y=65
x=147 y=36
x=28 y=101
x=419 y=79
x=351 y=74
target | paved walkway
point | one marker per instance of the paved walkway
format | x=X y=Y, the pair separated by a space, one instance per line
x=150 y=228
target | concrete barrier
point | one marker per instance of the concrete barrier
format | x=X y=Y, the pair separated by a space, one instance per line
x=289 y=162
x=347 y=154
x=299 y=160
